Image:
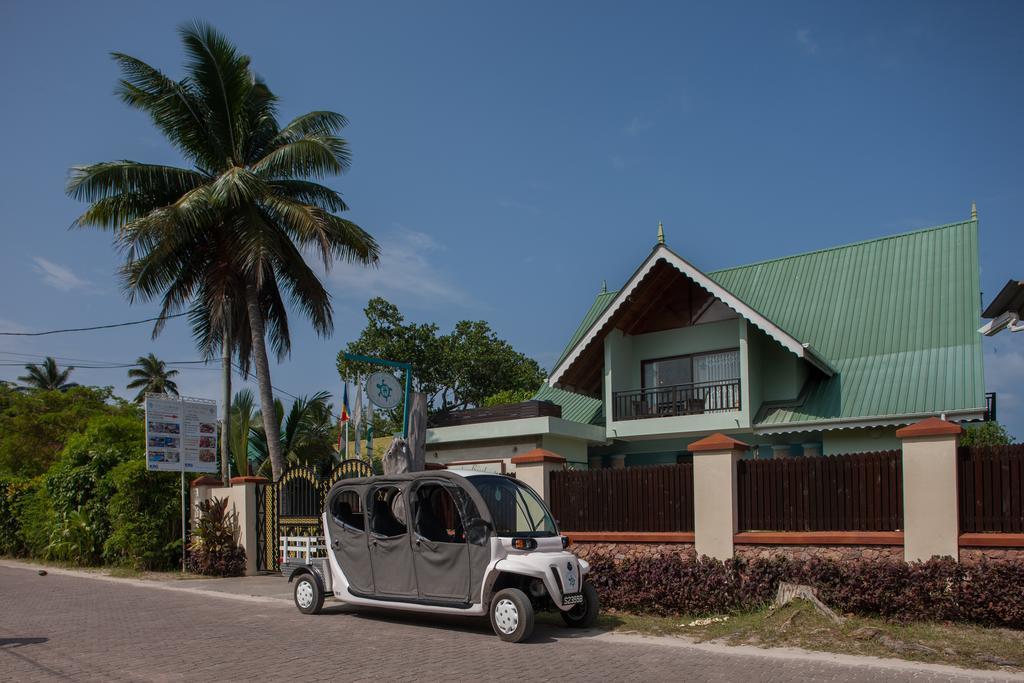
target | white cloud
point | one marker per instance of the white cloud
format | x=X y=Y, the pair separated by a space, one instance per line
x=637 y=125
x=405 y=273
x=58 y=276
x=1004 y=374
x=806 y=42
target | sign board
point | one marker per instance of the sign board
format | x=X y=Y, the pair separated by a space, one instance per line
x=383 y=390
x=181 y=434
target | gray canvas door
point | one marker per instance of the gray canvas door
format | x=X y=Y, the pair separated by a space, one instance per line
x=389 y=544
x=347 y=523
x=440 y=551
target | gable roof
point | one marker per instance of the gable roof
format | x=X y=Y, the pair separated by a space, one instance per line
x=895 y=317
x=663 y=255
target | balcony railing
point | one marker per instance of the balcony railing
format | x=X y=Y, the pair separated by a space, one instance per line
x=680 y=399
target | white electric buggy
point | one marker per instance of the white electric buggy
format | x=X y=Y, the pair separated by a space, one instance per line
x=446 y=542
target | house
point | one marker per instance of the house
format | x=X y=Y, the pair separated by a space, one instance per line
x=825 y=352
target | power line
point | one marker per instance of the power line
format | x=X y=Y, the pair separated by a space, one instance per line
x=87 y=329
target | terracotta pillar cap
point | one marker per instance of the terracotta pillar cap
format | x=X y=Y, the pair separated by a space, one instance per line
x=717 y=442
x=537 y=455
x=207 y=480
x=249 y=480
x=931 y=426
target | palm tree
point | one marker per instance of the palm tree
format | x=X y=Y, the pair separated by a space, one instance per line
x=151 y=376
x=47 y=375
x=243 y=419
x=307 y=436
x=225 y=238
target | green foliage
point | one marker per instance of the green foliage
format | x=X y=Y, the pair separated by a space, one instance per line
x=455 y=371
x=35 y=519
x=508 y=396
x=36 y=425
x=243 y=419
x=214 y=549
x=14 y=493
x=986 y=434
x=47 y=375
x=74 y=539
x=145 y=517
x=79 y=481
x=151 y=376
x=307 y=433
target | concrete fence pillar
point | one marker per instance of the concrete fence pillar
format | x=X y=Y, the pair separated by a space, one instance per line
x=619 y=461
x=596 y=462
x=812 y=449
x=781 y=451
x=931 y=524
x=715 y=503
x=241 y=497
x=534 y=469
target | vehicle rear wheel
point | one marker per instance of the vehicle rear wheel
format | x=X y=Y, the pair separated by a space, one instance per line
x=512 y=615
x=583 y=615
x=308 y=596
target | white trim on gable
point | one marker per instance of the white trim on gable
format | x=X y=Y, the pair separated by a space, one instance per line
x=661 y=252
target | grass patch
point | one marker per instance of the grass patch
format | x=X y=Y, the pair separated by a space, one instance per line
x=798 y=624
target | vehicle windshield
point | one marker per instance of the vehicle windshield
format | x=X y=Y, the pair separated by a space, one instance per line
x=515 y=509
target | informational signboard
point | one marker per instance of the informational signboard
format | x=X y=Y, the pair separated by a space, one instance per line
x=383 y=390
x=181 y=434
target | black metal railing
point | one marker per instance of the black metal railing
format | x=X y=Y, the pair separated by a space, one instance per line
x=990 y=406
x=679 y=399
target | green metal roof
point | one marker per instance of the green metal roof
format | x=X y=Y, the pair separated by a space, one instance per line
x=896 y=317
x=575 y=407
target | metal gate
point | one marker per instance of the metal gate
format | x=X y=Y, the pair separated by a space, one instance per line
x=292 y=505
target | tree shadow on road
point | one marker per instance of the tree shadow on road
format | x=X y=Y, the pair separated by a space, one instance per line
x=19 y=642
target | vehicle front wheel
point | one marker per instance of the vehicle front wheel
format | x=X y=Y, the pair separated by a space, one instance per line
x=308 y=596
x=512 y=615
x=583 y=615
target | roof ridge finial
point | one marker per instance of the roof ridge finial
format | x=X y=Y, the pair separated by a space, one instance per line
x=661 y=233
x=604 y=286
x=974 y=211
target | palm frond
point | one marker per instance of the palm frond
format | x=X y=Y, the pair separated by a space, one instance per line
x=312 y=156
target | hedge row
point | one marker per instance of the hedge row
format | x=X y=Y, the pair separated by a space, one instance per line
x=95 y=504
x=989 y=593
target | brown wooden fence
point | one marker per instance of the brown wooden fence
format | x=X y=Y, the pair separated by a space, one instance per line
x=857 y=492
x=658 y=498
x=991 y=483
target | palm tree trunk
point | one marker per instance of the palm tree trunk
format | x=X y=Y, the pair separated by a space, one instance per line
x=259 y=355
x=225 y=431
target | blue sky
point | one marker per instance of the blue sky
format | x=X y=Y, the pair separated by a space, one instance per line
x=509 y=158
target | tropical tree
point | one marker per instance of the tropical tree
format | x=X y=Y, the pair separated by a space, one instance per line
x=151 y=376
x=47 y=375
x=307 y=432
x=243 y=418
x=226 y=237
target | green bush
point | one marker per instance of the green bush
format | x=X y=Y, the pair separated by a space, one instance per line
x=145 y=518
x=79 y=483
x=74 y=538
x=214 y=550
x=34 y=518
x=12 y=490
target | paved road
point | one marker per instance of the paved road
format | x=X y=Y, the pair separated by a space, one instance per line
x=65 y=627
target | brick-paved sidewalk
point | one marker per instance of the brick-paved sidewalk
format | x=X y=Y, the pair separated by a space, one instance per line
x=69 y=625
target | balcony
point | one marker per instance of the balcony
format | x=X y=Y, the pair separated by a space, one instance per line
x=695 y=398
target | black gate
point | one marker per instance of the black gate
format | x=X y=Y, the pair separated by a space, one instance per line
x=292 y=505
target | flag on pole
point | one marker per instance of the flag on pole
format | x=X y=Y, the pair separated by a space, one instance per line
x=343 y=419
x=369 y=431
x=357 y=412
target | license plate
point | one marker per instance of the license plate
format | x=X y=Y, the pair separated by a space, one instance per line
x=572 y=599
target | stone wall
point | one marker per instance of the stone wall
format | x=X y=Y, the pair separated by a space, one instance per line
x=633 y=551
x=870 y=553
x=839 y=553
x=974 y=555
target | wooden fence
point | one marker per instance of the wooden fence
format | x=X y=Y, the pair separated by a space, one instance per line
x=650 y=499
x=991 y=483
x=857 y=492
